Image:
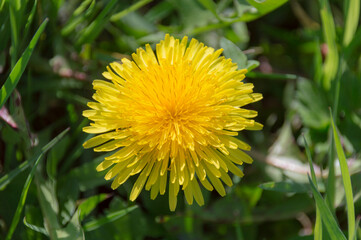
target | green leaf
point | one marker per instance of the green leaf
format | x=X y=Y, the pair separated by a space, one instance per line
x=48 y=204
x=285 y=208
x=309 y=157
x=159 y=11
x=232 y=51
x=246 y=13
x=86 y=175
x=24 y=193
x=328 y=219
x=82 y=7
x=252 y=64
x=19 y=68
x=55 y=155
x=352 y=15
x=72 y=231
x=89 y=204
x=77 y=18
x=91 y=32
x=30 y=19
x=273 y=76
x=331 y=63
x=346 y=179
x=351 y=49
x=191 y=14
x=2 y=3
x=14 y=10
x=311 y=104
x=50 y=209
x=130 y=9
x=261 y=9
x=318 y=224
x=285 y=186
x=317 y=63
x=4 y=33
x=7 y=178
x=358 y=229
x=33 y=220
x=95 y=224
x=35 y=228
x=211 y=6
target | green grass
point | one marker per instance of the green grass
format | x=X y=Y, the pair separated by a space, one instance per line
x=303 y=56
x=318 y=222
x=35 y=160
x=346 y=180
x=15 y=75
x=328 y=219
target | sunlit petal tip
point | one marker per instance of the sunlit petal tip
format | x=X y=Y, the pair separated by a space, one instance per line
x=103 y=165
x=257 y=126
x=243 y=71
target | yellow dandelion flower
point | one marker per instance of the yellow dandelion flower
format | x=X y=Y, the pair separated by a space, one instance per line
x=172 y=117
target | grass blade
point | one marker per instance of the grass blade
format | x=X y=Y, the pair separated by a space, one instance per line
x=20 y=66
x=346 y=179
x=30 y=19
x=331 y=62
x=318 y=224
x=352 y=15
x=30 y=177
x=79 y=15
x=2 y=3
x=328 y=219
x=92 y=225
x=4 y=33
x=352 y=47
x=14 y=9
x=357 y=228
x=331 y=185
x=92 y=31
x=130 y=9
x=309 y=157
x=83 y=6
x=6 y=179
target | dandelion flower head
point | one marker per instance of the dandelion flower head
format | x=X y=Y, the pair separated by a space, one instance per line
x=172 y=117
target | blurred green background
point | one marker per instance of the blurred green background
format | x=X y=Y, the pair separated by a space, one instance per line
x=303 y=56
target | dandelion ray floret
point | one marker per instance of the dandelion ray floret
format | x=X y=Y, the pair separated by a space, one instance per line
x=173 y=117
